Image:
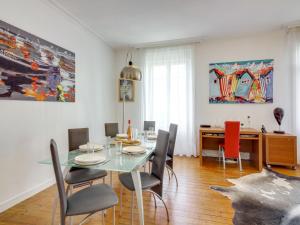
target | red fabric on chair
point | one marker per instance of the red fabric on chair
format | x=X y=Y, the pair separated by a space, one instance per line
x=232 y=139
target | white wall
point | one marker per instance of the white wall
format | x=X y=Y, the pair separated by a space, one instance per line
x=27 y=126
x=269 y=45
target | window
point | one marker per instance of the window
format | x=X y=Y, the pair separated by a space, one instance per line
x=169 y=93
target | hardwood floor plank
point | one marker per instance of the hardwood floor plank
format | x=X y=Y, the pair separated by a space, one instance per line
x=193 y=203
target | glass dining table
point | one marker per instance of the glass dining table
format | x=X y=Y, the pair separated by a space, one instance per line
x=115 y=161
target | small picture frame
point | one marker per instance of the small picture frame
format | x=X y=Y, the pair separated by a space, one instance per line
x=126 y=88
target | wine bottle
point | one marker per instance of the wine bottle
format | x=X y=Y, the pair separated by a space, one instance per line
x=129 y=131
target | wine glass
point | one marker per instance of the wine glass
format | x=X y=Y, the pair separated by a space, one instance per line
x=135 y=133
x=119 y=146
x=152 y=130
x=90 y=147
x=107 y=142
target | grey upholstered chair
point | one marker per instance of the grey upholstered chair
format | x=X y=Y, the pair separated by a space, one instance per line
x=87 y=201
x=171 y=147
x=77 y=177
x=148 y=124
x=77 y=137
x=151 y=182
x=170 y=153
x=111 y=129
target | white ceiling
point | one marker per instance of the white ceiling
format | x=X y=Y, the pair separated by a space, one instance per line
x=136 y=22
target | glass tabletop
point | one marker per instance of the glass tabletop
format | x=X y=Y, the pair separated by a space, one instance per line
x=114 y=159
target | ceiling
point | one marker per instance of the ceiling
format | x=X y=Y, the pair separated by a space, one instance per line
x=123 y=23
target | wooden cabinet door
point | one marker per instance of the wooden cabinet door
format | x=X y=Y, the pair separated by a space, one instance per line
x=281 y=150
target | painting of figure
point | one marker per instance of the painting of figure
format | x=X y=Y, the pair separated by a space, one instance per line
x=126 y=89
x=241 y=82
x=34 y=69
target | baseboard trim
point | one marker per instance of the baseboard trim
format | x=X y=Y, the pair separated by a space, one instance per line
x=24 y=195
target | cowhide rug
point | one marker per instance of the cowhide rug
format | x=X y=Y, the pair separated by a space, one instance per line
x=266 y=198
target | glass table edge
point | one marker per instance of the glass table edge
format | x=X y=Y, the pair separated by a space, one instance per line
x=98 y=166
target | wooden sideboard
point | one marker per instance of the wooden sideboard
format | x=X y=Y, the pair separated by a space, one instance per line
x=250 y=141
x=280 y=149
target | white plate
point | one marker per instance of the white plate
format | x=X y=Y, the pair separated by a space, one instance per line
x=89 y=159
x=152 y=137
x=134 y=150
x=122 y=135
x=87 y=164
x=96 y=147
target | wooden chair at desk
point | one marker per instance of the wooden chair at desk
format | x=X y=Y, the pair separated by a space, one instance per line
x=231 y=146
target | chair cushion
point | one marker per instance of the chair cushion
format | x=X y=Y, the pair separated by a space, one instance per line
x=147 y=180
x=91 y=199
x=84 y=175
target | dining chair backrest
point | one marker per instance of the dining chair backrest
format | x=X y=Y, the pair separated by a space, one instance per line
x=232 y=139
x=159 y=159
x=148 y=125
x=111 y=129
x=172 y=139
x=59 y=180
x=77 y=137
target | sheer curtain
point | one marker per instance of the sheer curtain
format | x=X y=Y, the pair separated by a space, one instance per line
x=168 y=92
x=294 y=50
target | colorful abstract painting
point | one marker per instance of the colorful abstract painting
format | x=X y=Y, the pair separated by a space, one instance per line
x=34 y=69
x=241 y=82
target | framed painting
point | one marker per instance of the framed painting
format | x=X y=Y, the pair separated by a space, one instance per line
x=126 y=90
x=241 y=82
x=32 y=68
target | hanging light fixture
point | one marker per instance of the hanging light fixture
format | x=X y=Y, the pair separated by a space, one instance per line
x=131 y=72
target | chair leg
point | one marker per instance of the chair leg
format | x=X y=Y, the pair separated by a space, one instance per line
x=160 y=198
x=153 y=195
x=111 y=178
x=121 y=196
x=240 y=162
x=168 y=218
x=86 y=218
x=223 y=155
x=219 y=153
x=149 y=167
x=103 y=222
x=68 y=189
x=169 y=174
x=173 y=174
x=175 y=177
x=54 y=206
x=114 y=215
x=132 y=198
x=71 y=192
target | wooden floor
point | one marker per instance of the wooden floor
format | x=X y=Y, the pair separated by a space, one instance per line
x=193 y=203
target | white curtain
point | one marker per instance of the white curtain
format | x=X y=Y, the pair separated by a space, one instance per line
x=294 y=50
x=168 y=92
